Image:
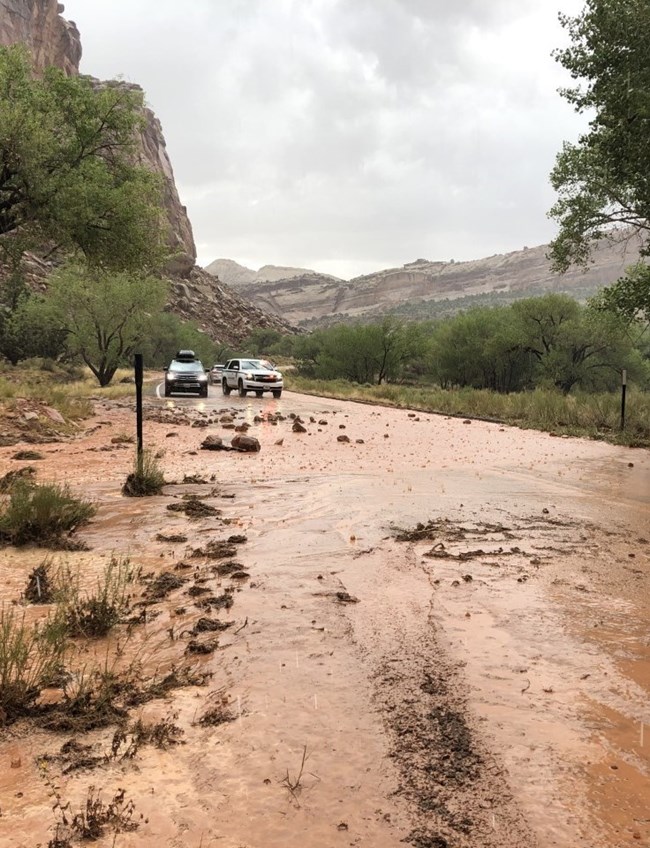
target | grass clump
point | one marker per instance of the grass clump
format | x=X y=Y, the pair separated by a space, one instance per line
x=42 y=515
x=146 y=478
x=94 y=819
x=31 y=657
x=93 y=613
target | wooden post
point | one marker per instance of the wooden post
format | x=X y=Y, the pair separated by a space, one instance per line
x=623 y=390
x=138 y=408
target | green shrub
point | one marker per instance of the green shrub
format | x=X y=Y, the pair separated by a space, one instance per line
x=42 y=515
x=93 y=613
x=31 y=657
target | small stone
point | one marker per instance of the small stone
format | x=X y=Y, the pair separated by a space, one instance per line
x=298 y=428
x=343 y=438
x=54 y=414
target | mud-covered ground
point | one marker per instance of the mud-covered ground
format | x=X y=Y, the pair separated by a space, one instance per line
x=434 y=633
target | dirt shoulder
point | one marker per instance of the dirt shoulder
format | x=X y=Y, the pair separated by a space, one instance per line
x=480 y=683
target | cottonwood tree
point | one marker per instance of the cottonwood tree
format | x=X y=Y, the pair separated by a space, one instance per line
x=629 y=296
x=105 y=314
x=483 y=348
x=603 y=181
x=573 y=345
x=68 y=171
x=362 y=353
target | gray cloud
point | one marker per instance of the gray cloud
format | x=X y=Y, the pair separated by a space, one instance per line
x=347 y=136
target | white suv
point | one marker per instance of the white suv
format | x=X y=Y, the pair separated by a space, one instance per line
x=251 y=375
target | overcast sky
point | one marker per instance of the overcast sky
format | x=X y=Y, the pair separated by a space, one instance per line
x=348 y=135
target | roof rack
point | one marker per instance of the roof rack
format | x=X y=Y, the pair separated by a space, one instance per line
x=185 y=356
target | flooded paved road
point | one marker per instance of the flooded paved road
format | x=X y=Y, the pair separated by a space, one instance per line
x=490 y=686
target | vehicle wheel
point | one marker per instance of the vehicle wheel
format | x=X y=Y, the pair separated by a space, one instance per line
x=167 y=392
x=241 y=389
x=226 y=388
x=259 y=394
x=203 y=392
x=277 y=393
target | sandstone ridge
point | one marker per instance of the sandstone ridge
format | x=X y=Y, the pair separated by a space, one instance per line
x=424 y=288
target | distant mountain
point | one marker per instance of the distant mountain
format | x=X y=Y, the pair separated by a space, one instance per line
x=233 y=274
x=423 y=289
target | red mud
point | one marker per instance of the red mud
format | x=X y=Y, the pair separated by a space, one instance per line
x=489 y=689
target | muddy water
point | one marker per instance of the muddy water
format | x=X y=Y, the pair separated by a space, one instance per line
x=513 y=644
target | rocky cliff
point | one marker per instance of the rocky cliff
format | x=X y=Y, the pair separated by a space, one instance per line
x=38 y=24
x=418 y=288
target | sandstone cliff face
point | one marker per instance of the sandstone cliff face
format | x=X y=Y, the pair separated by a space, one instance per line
x=181 y=238
x=313 y=299
x=54 y=41
x=38 y=24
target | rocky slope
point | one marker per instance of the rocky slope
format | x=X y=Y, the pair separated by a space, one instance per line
x=223 y=314
x=421 y=289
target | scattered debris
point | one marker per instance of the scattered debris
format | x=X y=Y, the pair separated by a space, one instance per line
x=215 y=550
x=193 y=507
x=345 y=598
x=176 y=538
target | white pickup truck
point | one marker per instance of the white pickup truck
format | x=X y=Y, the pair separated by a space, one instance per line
x=251 y=375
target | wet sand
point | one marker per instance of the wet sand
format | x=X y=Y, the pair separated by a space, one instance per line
x=488 y=688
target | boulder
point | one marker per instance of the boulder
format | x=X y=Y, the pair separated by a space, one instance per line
x=212 y=443
x=248 y=444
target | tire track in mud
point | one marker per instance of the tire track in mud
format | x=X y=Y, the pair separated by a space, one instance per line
x=456 y=788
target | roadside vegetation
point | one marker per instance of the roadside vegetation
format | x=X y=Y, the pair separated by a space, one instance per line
x=43 y=515
x=595 y=416
x=548 y=363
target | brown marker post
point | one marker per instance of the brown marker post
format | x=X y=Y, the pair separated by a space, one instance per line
x=138 y=408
